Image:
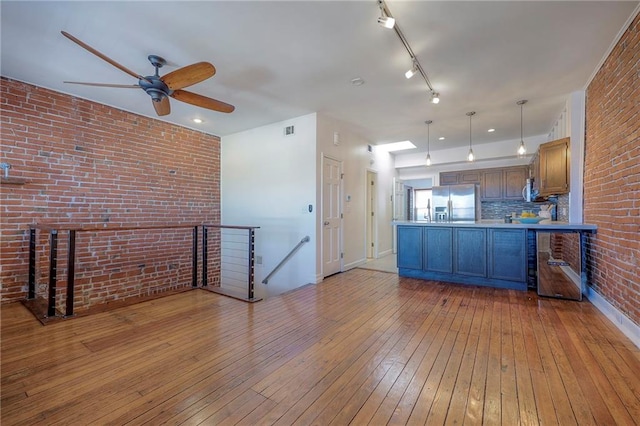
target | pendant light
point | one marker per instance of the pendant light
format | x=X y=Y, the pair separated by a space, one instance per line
x=470 y=156
x=522 y=150
x=428 y=123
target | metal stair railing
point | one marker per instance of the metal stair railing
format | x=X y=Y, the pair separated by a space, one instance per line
x=286 y=259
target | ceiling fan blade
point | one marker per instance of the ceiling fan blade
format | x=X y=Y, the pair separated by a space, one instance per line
x=163 y=107
x=123 y=86
x=202 y=101
x=102 y=56
x=189 y=75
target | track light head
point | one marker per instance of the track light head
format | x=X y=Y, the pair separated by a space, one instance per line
x=411 y=72
x=387 y=21
x=435 y=97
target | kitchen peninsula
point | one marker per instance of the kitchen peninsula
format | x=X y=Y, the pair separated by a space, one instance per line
x=487 y=252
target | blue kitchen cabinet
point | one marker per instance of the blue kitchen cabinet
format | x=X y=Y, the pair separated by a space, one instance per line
x=410 y=247
x=508 y=254
x=470 y=257
x=438 y=249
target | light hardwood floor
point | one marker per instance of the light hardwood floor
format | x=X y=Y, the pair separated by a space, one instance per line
x=363 y=347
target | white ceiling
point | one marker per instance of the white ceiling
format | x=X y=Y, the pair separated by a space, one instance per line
x=279 y=60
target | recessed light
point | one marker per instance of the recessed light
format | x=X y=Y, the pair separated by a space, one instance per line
x=441 y=138
x=197 y=120
x=357 y=81
x=491 y=130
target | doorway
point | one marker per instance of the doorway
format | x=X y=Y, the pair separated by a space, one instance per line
x=331 y=216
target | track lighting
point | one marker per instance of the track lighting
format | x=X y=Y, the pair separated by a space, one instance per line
x=387 y=21
x=428 y=123
x=522 y=150
x=470 y=156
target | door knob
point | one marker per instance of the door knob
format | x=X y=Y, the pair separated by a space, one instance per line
x=326 y=223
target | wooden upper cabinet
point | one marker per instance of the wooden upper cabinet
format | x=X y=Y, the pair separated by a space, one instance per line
x=470 y=176
x=449 y=178
x=497 y=184
x=554 y=167
x=514 y=181
x=491 y=186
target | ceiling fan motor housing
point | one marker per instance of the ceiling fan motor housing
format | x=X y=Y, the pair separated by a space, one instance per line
x=155 y=88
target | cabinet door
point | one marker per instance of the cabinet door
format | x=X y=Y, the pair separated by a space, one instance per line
x=491 y=187
x=409 y=247
x=449 y=178
x=508 y=254
x=470 y=252
x=514 y=180
x=554 y=167
x=439 y=249
x=471 y=176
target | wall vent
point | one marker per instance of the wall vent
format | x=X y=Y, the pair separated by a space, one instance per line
x=289 y=130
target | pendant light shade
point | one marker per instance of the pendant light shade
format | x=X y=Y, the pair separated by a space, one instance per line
x=522 y=149
x=428 y=161
x=470 y=156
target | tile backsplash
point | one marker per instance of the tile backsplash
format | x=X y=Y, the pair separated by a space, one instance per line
x=499 y=209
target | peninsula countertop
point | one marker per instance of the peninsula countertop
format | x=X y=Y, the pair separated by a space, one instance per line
x=499 y=223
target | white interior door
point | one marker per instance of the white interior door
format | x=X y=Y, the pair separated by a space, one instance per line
x=370 y=212
x=331 y=216
x=399 y=207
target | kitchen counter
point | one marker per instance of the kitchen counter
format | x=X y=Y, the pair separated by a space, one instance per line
x=499 y=223
x=486 y=252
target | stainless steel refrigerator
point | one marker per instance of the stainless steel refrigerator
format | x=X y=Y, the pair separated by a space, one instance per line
x=453 y=203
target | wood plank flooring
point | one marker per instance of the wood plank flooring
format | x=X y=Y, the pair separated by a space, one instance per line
x=363 y=347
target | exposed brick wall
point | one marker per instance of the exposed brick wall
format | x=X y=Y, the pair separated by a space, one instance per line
x=612 y=175
x=88 y=164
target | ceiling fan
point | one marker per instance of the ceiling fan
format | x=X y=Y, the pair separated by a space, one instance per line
x=160 y=88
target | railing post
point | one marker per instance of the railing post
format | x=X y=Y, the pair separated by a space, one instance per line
x=194 y=258
x=71 y=273
x=205 y=255
x=251 y=265
x=53 y=269
x=32 y=263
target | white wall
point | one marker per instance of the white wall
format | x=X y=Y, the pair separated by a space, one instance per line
x=268 y=180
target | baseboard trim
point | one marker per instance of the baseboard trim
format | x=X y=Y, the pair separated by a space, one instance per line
x=621 y=321
x=385 y=253
x=355 y=264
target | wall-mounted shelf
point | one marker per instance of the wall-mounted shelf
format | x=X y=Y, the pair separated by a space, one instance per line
x=13 y=181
